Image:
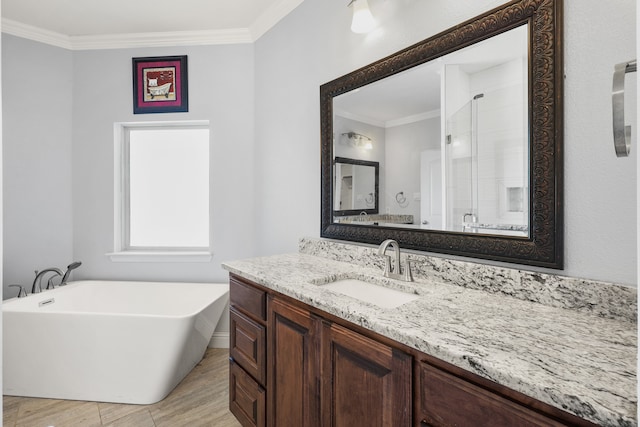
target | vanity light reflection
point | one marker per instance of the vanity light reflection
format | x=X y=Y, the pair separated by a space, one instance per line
x=354 y=139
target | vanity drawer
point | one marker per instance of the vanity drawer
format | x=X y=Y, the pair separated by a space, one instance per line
x=246 y=398
x=446 y=400
x=247 y=345
x=248 y=299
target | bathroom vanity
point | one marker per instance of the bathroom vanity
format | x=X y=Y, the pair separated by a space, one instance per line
x=313 y=365
x=302 y=354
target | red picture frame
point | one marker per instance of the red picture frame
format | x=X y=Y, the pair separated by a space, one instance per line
x=160 y=85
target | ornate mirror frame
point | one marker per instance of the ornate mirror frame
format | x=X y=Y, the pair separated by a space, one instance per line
x=544 y=245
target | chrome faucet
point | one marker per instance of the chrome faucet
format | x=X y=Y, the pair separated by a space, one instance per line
x=21 y=291
x=394 y=270
x=38 y=279
x=474 y=219
x=50 y=284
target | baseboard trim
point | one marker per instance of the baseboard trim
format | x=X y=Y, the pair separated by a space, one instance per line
x=219 y=340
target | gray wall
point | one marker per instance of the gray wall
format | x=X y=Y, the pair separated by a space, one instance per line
x=37 y=83
x=263 y=104
x=376 y=154
x=404 y=146
x=58 y=164
x=314 y=45
x=221 y=91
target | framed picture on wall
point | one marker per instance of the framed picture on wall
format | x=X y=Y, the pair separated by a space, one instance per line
x=160 y=85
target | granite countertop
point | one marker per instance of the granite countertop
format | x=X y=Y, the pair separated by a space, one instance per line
x=575 y=361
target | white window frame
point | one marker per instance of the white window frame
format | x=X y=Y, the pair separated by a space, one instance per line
x=121 y=252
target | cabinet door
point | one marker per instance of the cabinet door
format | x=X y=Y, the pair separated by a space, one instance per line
x=446 y=400
x=293 y=360
x=364 y=382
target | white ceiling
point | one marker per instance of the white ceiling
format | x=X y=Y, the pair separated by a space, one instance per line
x=414 y=94
x=85 y=24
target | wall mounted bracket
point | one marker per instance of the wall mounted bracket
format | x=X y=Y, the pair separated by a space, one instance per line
x=621 y=133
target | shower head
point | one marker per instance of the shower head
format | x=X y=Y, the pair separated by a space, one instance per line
x=480 y=95
x=70 y=267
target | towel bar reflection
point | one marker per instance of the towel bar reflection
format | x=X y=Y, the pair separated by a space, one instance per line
x=621 y=133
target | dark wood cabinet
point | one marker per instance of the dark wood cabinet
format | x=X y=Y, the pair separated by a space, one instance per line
x=365 y=383
x=319 y=373
x=446 y=400
x=249 y=299
x=323 y=374
x=247 y=400
x=247 y=352
x=294 y=367
x=247 y=345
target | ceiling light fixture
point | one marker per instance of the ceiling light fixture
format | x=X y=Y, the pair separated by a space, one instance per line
x=363 y=21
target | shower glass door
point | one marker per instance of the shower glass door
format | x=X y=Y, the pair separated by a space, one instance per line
x=486 y=165
x=460 y=168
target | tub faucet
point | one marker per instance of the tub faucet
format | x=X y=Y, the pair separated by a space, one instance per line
x=38 y=279
x=394 y=270
x=21 y=291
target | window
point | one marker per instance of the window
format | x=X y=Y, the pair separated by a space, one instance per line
x=162 y=191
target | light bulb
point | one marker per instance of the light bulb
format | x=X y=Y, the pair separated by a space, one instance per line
x=363 y=21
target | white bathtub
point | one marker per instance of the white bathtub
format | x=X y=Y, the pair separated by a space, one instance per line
x=124 y=342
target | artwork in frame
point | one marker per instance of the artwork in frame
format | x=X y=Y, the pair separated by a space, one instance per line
x=160 y=85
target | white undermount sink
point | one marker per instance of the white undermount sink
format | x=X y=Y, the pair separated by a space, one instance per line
x=375 y=294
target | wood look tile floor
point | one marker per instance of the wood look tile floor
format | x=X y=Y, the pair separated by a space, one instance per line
x=200 y=400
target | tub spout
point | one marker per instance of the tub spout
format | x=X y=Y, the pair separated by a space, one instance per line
x=70 y=267
x=38 y=279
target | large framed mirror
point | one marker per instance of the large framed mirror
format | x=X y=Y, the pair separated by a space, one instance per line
x=466 y=128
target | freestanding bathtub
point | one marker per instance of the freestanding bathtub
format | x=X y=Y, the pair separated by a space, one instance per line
x=123 y=342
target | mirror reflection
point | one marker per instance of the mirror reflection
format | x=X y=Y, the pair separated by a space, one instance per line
x=356 y=186
x=451 y=138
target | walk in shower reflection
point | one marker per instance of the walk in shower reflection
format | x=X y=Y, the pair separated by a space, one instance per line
x=486 y=164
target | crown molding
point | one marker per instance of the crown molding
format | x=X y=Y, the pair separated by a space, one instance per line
x=263 y=23
x=390 y=123
x=359 y=118
x=123 y=41
x=30 y=32
x=165 y=39
x=413 y=118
